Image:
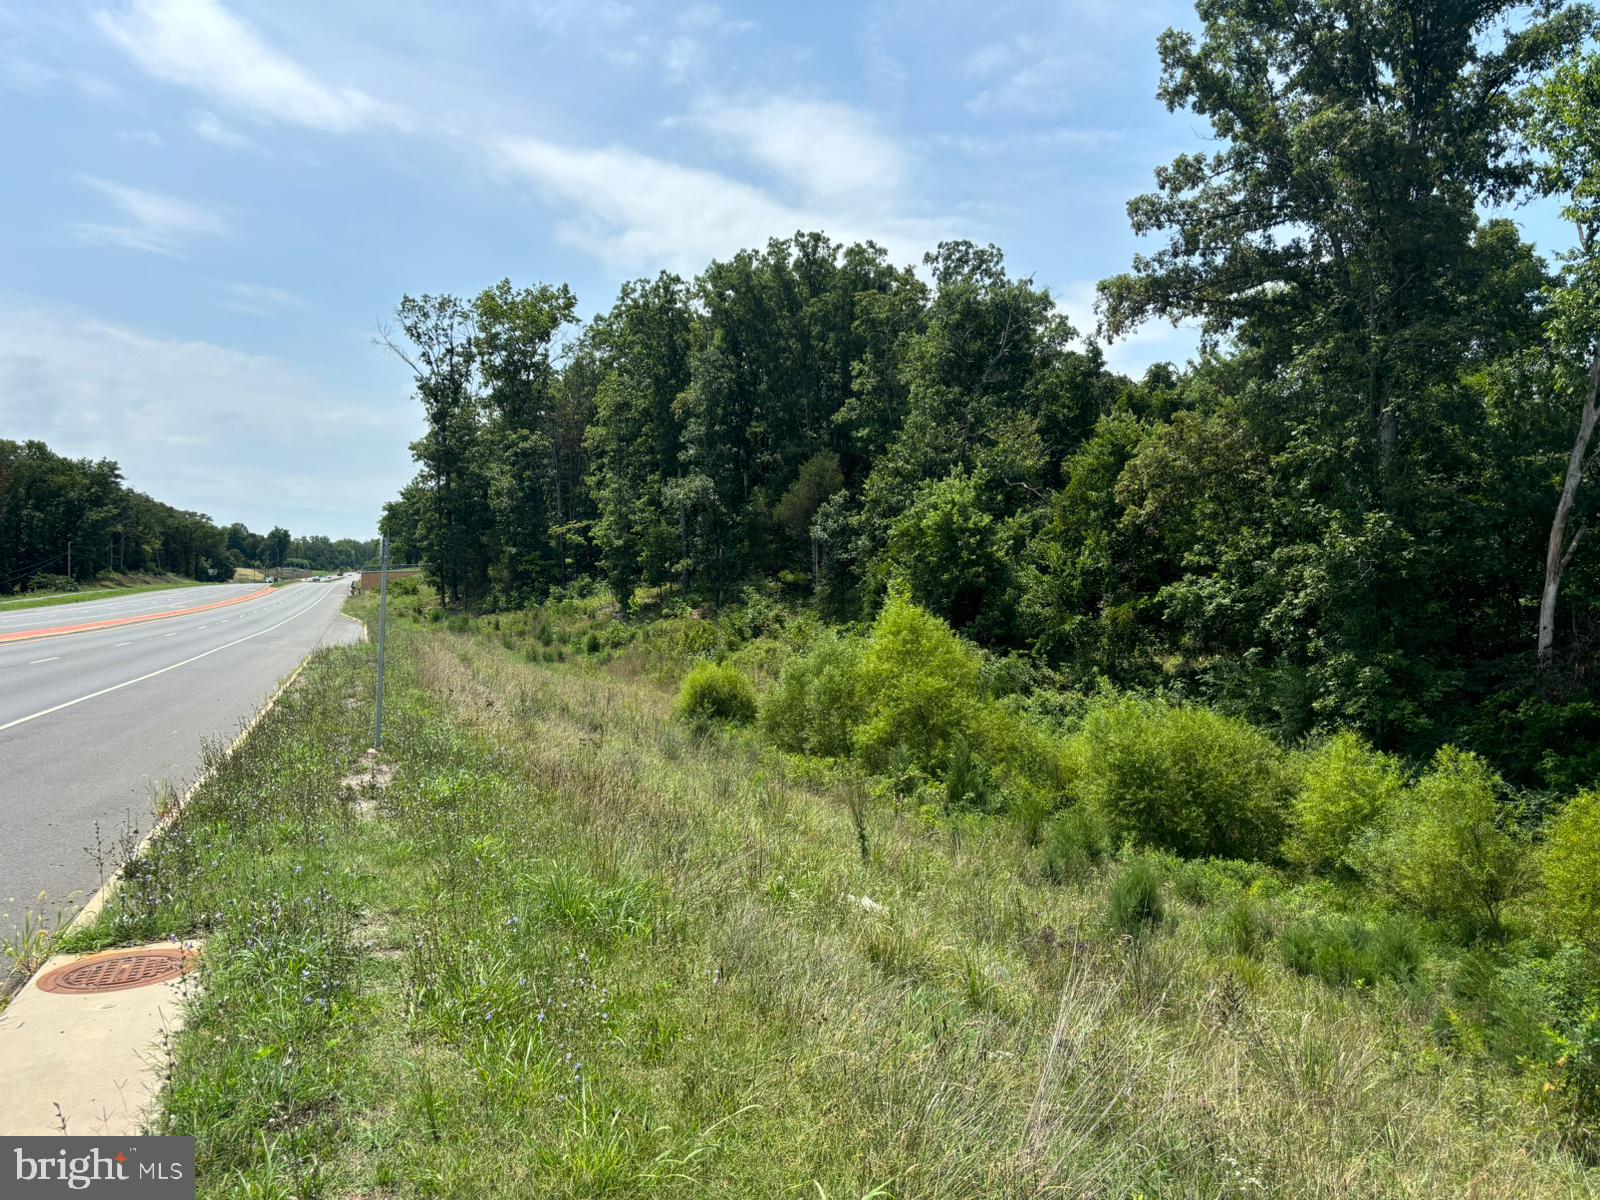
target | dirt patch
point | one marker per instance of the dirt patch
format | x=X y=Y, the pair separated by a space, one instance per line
x=367 y=783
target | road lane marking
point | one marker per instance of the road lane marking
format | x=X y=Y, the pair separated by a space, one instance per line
x=37 y=661
x=24 y=635
x=169 y=634
x=122 y=644
x=117 y=687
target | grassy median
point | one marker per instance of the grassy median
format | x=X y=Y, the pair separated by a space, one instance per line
x=574 y=947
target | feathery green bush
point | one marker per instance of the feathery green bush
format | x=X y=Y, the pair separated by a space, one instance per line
x=713 y=692
x=1182 y=778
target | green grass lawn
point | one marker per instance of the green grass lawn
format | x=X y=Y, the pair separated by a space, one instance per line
x=576 y=948
x=96 y=592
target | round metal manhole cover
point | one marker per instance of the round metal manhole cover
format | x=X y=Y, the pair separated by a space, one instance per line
x=116 y=971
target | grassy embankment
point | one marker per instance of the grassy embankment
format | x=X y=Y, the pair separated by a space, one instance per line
x=576 y=948
x=101 y=589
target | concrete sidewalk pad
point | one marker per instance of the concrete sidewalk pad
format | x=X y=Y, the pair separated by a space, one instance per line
x=101 y=1057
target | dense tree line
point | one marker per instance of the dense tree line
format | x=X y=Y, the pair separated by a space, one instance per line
x=1360 y=507
x=66 y=519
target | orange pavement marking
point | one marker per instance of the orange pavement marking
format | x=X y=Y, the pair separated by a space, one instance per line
x=24 y=635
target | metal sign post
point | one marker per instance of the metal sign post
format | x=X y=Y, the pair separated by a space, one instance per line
x=383 y=629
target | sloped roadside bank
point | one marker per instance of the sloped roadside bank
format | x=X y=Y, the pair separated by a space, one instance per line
x=575 y=948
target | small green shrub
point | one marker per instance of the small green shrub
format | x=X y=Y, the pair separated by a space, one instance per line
x=919 y=682
x=1034 y=765
x=45 y=582
x=1446 y=853
x=1136 y=903
x=1345 y=787
x=1395 y=950
x=1342 y=951
x=1210 y=880
x=1183 y=778
x=713 y=692
x=1569 y=869
x=1071 y=843
x=817 y=702
x=1242 y=929
x=1574 y=1090
x=969 y=784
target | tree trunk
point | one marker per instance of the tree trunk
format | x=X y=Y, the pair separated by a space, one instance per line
x=1559 y=552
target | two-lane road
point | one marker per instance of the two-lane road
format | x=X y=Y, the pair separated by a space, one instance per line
x=92 y=723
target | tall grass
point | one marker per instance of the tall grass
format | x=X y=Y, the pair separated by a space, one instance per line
x=580 y=948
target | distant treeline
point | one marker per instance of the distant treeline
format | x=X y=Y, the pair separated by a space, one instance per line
x=65 y=518
x=1361 y=507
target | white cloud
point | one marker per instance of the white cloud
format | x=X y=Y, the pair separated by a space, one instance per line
x=259 y=299
x=197 y=424
x=682 y=58
x=198 y=44
x=1133 y=353
x=1028 y=142
x=635 y=211
x=25 y=75
x=1023 y=76
x=566 y=16
x=829 y=151
x=158 y=223
x=208 y=126
x=709 y=18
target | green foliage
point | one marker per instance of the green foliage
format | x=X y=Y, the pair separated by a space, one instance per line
x=1342 y=951
x=1574 y=1091
x=1183 y=778
x=969 y=784
x=64 y=521
x=1136 y=906
x=44 y=581
x=817 y=702
x=1343 y=788
x=1447 y=852
x=1072 y=843
x=919 y=684
x=947 y=549
x=1569 y=869
x=1241 y=928
x=714 y=692
x=1031 y=762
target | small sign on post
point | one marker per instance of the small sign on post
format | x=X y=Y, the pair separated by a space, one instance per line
x=383 y=628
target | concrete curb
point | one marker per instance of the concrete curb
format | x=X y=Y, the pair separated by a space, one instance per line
x=18 y=976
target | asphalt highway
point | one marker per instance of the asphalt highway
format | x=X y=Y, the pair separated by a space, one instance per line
x=92 y=724
x=117 y=607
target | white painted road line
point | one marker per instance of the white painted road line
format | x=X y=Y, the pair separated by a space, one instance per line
x=117 y=687
x=123 y=644
x=37 y=661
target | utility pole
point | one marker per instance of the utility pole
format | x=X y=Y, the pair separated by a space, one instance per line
x=383 y=629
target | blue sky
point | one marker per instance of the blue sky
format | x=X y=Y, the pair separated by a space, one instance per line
x=208 y=208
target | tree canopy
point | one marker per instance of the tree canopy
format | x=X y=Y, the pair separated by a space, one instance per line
x=1336 y=517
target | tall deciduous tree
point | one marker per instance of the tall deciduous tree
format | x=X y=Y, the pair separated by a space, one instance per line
x=437 y=342
x=1567 y=129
